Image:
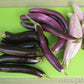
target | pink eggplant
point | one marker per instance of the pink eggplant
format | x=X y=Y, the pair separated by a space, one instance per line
x=78 y=12
x=72 y=48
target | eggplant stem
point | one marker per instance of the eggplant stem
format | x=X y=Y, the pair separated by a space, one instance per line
x=39 y=59
x=65 y=72
x=65 y=67
x=34 y=22
x=2 y=35
x=78 y=40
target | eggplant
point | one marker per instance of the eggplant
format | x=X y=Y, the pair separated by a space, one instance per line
x=28 y=45
x=13 y=68
x=72 y=48
x=20 y=60
x=11 y=50
x=78 y=11
x=19 y=37
x=53 y=13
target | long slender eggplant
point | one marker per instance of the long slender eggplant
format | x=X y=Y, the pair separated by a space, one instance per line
x=79 y=12
x=55 y=31
x=11 y=50
x=69 y=16
x=47 y=53
x=39 y=17
x=44 y=46
x=19 y=37
x=21 y=69
x=72 y=48
x=18 y=59
x=50 y=12
x=28 y=45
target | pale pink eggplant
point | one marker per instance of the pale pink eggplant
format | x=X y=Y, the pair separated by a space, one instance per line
x=78 y=11
x=72 y=48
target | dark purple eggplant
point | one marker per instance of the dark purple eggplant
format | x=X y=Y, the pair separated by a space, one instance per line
x=28 y=45
x=11 y=50
x=21 y=69
x=19 y=37
x=18 y=59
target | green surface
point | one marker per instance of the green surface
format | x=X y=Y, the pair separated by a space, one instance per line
x=10 y=21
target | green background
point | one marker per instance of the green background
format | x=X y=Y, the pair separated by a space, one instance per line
x=10 y=21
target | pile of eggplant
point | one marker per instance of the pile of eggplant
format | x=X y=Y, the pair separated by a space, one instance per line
x=20 y=49
x=23 y=48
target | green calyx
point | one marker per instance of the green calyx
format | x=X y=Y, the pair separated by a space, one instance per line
x=34 y=22
x=65 y=67
x=2 y=35
x=78 y=40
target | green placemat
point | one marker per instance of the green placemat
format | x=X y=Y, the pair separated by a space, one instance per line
x=10 y=21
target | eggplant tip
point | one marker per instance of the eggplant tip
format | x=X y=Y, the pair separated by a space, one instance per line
x=74 y=5
x=62 y=70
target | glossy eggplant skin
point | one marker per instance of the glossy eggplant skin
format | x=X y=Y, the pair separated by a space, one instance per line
x=21 y=37
x=54 y=31
x=47 y=53
x=11 y=50
x=58 y=20
x=27 y=45
x=53 y=13
x=21 y=69
x=20 y=60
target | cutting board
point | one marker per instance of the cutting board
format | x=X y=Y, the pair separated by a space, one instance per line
x=10 y=21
